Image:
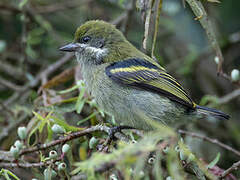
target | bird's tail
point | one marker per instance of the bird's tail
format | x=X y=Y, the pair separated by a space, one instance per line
x=212 y=112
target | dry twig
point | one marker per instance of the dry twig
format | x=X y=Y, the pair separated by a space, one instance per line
x=26 y=164
x=202 y=16
x=214 y=141
x=234 y=167
x=225 y=99
x=70 y=137
x=159 y=8
x=147 y=23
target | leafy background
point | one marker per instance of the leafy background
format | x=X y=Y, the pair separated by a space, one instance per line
x=40 y=87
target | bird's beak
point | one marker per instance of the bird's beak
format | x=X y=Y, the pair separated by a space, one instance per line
x=71 y=47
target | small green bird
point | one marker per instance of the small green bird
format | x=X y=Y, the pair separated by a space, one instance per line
x=127 y=83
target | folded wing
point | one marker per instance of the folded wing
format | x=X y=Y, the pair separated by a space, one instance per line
x=143 y=74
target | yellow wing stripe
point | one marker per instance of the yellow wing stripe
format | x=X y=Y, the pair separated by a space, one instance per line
x=133 y=69
x=138 y=72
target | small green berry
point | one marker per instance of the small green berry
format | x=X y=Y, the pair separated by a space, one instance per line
x=53 y=154
x=58 y=129
x=22 y=132
x=235 y=75
x=49 y=174
x=65 y=148
x=93 y=142
x=62 y=166
x=14 y=151
x=18 y=144
x=216 y=59
x=113 y=177
x=57 y=163
x=134 y=141
x=182 y=155
x=177 y=148
x=3 y=45
x=141 y=173
x=166 y=149
x=151 y=160
x=169 y=178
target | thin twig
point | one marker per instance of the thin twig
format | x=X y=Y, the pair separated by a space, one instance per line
x=227 y=77
x=10 y=85
x=71 y=137
x=26 y=164
x=159 y=8
x=51 y=68
x=202 y=16
x=214 y=141
x=234 y=167
x=147 y=23
x=225 y=99
x=14 y=72
x=6 y=156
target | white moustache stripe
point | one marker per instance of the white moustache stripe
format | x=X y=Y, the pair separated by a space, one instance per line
x=98 y=51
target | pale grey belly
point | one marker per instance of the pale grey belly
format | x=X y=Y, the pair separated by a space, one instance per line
x=136 y=108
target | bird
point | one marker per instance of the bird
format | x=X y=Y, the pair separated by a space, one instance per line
x=128 y=84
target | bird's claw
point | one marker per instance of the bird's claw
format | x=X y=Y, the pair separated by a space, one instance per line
x=117 y=129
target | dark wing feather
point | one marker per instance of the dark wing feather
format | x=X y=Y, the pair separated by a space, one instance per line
x=143 y=74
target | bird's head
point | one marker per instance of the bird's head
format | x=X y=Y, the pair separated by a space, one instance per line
x=99 y=42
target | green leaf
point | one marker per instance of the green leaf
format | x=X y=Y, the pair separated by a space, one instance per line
x=69 y=90
x=22 y=3
x=80 y=101
x=208 y=99
x=213 y=1
x=214 y=162
x=5 y=173
x=38 y=122
x=63 y=124
x=30 y=52
x=43 y=121
x=87 y=118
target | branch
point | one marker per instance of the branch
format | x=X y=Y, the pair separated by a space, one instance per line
x=225 y=99
x=159 y=8
x=202 y=16
x=10 y=85
x=235 y=166
x=27 y=165
x=214 y=141
x=147 y=23
x=6 y=156
x=51 y=68
x=71 y=137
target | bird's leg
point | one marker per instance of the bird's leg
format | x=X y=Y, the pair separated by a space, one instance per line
x=111 y=136
x=117 y=129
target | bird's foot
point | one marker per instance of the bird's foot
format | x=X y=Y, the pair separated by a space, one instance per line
x=111 y=136
x=117 y=129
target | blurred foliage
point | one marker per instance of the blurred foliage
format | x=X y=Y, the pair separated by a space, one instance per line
x=40 y=87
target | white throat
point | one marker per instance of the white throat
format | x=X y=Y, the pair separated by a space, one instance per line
x=88 y=54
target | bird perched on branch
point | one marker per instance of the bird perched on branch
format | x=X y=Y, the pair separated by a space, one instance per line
x=127 y=83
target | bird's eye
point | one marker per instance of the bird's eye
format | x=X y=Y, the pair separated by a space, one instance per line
x=85 y=39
